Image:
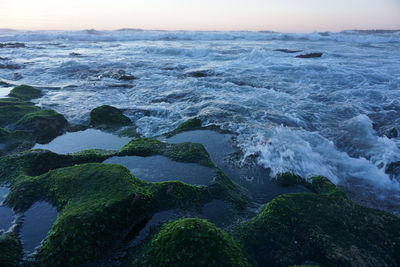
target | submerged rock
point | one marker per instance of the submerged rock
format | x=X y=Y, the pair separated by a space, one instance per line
x=74 y=54
x=25 y=92
x=287 y=51
x=191 y=242
x=310 y=55
x=10 y=66
x=324 y=227
x=12 y=45
x=118 y=75
x=108 y=117
x=200 y=73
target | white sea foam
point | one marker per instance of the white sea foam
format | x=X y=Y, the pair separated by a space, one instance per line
x=129 y=35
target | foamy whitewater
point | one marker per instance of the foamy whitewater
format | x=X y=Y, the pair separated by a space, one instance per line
x=322 y=116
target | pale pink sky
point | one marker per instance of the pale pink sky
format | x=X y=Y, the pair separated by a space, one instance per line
x=278 y=15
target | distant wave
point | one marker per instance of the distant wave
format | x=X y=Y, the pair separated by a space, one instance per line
x=355 y=36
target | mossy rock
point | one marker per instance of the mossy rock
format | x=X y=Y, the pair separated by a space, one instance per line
x=24 y=124
x=25 y=92
x=191 y=242
x=98 y=204
x=193 y=124
x=11 y=112
x=327 y=228
x=107 y=117
x=10 y=250
x=183 y=152
x=44 y=124
x=289 y=179
x=37 y=162
x=15 y=140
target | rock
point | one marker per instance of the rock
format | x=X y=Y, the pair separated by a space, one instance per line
x=287 y=50
x=310 y=55
x=392 y=133
x=120 y=75
x=191 y=242
x=108 y=117
x=324 y=227
x=25 y=92
x=74 y=54
x=44 y=124
x=98 y=204
x=183 y=152
x=10 y=250
x=200 y=73
x=12 y=45
x=10 y=66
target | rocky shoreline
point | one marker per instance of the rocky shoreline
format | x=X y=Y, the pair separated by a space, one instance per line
x=99 y=204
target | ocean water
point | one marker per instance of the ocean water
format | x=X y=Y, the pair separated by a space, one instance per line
x=321 y=116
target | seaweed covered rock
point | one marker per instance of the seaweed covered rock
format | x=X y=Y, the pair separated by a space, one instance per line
x=36 y=162
x=324 y=227
x=193 y=124
x=25 y=92
x=10 y=250
x=14 y=140
x=23 y=124
x=183 y=152
x=44 y=124
x=108 y=117
x=191 y=242
x=98 y=204
x=13 y=109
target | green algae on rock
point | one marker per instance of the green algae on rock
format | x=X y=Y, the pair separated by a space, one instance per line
x=108 y=117
x=98 y=203
x=10 y=250
x=324 y=227
x=44 y=124
x=191 y=242
x=183 y=152
x=25 y=92
x=191 y=125
x=24 y=124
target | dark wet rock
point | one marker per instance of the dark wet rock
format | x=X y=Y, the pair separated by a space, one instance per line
x=12 y=45
x=120 y=75
x=324 y=227
x=10 y=66
x=393 y=169
x=74 y=54
x=120 y=86
x=5 y=84
x=10 y=250
x=392 y=133
x=17 y=76
x=310 y=55
x=191 y=242
x=25 y=92
x=200 y=73
x=287 y=51
x=108 y=117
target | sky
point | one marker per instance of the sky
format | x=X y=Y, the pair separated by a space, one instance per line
x=276 y=15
